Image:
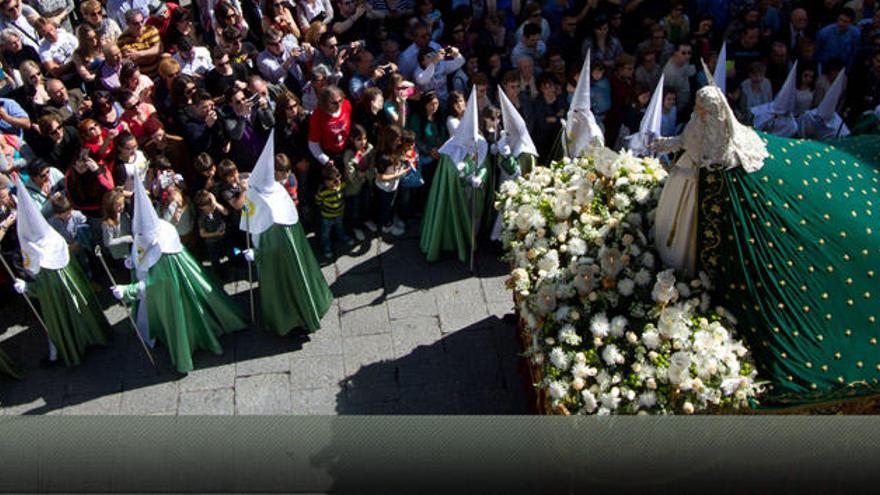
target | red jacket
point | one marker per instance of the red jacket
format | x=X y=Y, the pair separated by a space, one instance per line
x=331 y=132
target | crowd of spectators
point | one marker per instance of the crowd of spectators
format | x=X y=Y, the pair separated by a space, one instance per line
x=360 y=95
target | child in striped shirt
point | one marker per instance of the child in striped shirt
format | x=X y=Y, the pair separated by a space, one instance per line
x=331 y=202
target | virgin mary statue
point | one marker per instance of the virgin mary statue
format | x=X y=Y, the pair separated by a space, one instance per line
x=789 y=232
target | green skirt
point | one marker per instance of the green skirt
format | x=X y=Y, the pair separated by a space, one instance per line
x=69 y=307
x=7 y=367
x=293 y=292
x=446 y=225
x=187 y=310
x=796 y=258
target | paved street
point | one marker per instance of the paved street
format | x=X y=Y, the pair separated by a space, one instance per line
x=403 y=337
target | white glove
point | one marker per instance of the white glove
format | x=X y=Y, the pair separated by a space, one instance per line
x=20 y=286
x=118 y=292
x=504 y=147
x=248 y=255
x=476 y=181
x=129 y=263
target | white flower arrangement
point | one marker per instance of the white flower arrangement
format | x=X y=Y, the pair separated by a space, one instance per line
x=611 y=330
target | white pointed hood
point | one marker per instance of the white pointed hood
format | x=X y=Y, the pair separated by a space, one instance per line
x=581 y=128
x=467 y=138
x=152 y=235
x=823 y=122
x=720 y=75
x=777 y=117
x=518 y=137
x=649 y=129
x=827 y=109
x=785 y=101
x=268 y=202
x=41 y=246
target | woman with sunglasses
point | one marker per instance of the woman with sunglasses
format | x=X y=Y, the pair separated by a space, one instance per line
x=56 y=143
x=88 y=56
x=279 y=14
x=228 y=13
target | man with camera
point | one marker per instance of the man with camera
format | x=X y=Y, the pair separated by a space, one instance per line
x=279 y=64
x=366 y=73
x=409 y=59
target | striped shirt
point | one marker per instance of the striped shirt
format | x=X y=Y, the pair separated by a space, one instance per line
x=149 y=38
x=331 y=201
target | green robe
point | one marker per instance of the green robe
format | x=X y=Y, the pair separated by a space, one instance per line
x=7 y=367
x=186 y=309
x=69 y=307
x=293 y=292
x=794 y=250
x=446 y=225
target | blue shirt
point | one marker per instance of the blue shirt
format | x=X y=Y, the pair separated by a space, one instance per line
x=14 y=110
x=831 y=43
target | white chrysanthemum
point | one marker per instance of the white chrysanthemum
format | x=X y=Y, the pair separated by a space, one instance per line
x=611 y=399
x=648 y=260
x=626 y=287
x=612 y=356
x=562 y=206
x=549 y=263
x=557 y=390
x=525 y=217
x=664 y=289
x=599 y=325
x=678 y=371
x=620 y=201
x=558 y=358
x=577 y=246
x=641 y=194
x=683 y=290
x=648 y=400
x=673 y=323
x=651 y=339
x=568 y=335
x=580 y=370
x=590 y=402
x=642 y=278
x=618 y=326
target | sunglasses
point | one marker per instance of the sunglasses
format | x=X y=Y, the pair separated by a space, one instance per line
x=336 y=102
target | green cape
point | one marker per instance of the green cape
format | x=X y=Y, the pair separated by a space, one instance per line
x=794 y=249
x=446 y=225
x=186 y=309
x=73 y=316
x=293 y=292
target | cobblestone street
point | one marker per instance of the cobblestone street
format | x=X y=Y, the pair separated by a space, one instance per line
x=403 y=337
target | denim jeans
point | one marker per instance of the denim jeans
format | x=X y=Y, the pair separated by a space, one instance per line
x=357 y=207
x=335 y=225
x=385 y=201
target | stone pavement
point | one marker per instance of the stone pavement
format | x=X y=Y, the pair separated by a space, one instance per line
x=403 y=337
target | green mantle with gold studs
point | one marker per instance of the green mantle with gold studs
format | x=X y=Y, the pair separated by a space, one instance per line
x=794 y=252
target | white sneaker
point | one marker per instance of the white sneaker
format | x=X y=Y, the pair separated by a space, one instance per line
x=399 y=223
x=359 y=234
x=371 y=226
x=397 y=231
x=389 y=229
